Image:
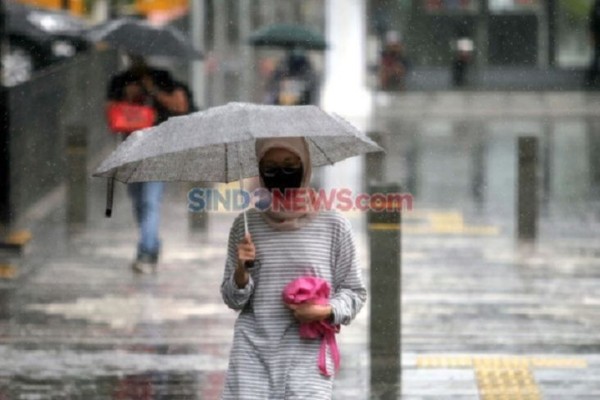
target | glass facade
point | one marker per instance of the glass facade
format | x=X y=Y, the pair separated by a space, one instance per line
x=533 y=33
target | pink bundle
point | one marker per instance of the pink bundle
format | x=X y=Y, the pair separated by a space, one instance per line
x=316 y=291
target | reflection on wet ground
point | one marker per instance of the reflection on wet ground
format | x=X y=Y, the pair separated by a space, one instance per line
x=149 y=385
x=77 y=324
x=470 y=290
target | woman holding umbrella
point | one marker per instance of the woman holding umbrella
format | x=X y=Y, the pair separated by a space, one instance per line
x=273 y=356
x=269 y=358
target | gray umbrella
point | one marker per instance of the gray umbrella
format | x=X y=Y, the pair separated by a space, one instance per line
x=217 y=145
x=141 y=38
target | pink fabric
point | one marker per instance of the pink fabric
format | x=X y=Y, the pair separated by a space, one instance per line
x=316 y=291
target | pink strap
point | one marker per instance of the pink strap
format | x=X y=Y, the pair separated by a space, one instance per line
x=329 y=339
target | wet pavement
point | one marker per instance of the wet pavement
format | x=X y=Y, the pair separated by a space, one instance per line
x=483 y=318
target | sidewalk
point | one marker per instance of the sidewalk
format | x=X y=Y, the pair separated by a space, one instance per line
x=484 y=318
x=481 y=318
x=81 y=324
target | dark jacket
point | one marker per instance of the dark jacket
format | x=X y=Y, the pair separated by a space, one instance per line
x=161 y=78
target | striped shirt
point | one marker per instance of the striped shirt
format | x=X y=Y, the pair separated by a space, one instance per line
x=268 y=359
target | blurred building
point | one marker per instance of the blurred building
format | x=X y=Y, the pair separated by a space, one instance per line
x=538 y=33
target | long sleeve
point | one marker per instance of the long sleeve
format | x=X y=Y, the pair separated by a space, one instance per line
x=350 y=292
x=233 y=296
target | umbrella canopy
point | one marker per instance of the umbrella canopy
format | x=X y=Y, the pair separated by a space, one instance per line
x=141 y=38
x=288 y=36
x=217 y=145
x=39 y=24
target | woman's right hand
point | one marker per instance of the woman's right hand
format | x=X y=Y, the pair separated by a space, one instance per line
x=246 y=252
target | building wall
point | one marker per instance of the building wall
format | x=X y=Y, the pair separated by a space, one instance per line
x=539 y=33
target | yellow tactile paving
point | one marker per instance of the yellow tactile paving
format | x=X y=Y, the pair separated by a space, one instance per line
x=19 y=237
x=558 y=363
x=8 y=271
x=503 y=377
x=516 y=383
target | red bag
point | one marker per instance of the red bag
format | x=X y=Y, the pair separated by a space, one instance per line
x=126 y=117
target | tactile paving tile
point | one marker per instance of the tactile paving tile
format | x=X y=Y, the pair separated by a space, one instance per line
x=503 y=377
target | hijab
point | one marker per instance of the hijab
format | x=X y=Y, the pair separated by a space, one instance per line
x=282 y=219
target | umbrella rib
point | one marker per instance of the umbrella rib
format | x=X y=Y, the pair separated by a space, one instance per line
x=133 y=171
x=226 y=165
x=321 y=150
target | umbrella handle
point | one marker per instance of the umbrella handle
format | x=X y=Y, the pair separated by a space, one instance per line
x=110 y=188
x=245 y=223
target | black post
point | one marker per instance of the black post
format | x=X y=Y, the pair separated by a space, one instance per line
x=385 y=292
x=4 y=136
x=375 y=161
x=197 y=221
x=412 y=165
x=4 y=158
x=551 y=13
x=547 y=155
x=593 y=134
x=527 y=202
x=77 y=176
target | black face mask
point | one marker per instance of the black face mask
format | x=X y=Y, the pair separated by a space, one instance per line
x=282 y=177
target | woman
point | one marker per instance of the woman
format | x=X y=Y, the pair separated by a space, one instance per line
x=268 y=359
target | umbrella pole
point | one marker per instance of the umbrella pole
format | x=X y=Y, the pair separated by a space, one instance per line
x=247 y=264
x=242 y=190
x=244 y=210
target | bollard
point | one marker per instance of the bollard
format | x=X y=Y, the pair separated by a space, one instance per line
x=197 y=221
x=412 y=165
x=5 y=161
x=593 y=135
x=547 y=154
x=478 y=182
x=375 y=161
x=6 y=294
x=76 y=175
x=527 y=202
x=385 y=293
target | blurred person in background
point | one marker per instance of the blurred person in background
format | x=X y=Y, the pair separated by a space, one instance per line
x=293 y=82
x=143 y=85
x=393 y=63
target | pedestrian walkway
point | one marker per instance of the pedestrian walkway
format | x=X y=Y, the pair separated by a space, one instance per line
x=483 y=318
x=80 y=324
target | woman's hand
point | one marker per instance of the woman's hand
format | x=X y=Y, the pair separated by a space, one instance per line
x=246 y=252
x=307 y=312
